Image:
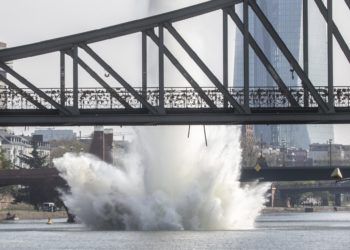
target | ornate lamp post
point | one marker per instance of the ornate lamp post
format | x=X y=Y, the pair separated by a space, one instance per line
x=330 y=152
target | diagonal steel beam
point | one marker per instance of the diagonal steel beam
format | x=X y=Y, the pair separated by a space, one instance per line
x=182 y=70
x=64 y=43
x=265 y=61
x=120 y=79
x=21 y=92
x=289 y=56
x=103 y=83
x=340 y=39
x=347 y=3
x=36 y=90
x=238 y=108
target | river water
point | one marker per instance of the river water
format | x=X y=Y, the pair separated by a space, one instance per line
x=273 y=231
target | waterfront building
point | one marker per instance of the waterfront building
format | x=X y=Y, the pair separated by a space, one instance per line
x=320 y=154
x=56 y=134
x=14 y=146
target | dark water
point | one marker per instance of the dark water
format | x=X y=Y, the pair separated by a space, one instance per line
x=274 y=231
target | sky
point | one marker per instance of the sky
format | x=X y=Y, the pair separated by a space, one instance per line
x=23 y=22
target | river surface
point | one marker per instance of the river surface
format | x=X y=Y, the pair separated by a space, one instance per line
x=273 y=231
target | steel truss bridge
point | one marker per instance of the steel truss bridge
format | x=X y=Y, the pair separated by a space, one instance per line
x=219 y=104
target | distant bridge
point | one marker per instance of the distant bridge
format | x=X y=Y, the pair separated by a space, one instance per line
x=27 y=177
x=221 y=104
x=272 y=174
x=315 y=187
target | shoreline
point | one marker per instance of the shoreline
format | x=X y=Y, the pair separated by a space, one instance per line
x=40 y=215
x=33 y=215
x=316 y=209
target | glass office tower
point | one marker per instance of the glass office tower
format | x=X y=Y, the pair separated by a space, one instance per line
x=286 y=17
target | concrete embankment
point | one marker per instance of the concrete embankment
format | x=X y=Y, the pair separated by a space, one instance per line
x=301 y=209
x=33 y=215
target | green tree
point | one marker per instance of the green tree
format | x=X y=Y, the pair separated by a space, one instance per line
x=37 y=193
x=35 y=160
x=4 y=163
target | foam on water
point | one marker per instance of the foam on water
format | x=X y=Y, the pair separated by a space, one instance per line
x=165 y=181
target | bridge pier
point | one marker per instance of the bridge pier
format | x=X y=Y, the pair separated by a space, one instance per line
x=102 y=144
x=337 y=199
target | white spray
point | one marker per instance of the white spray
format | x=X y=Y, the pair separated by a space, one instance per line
x=165 y=181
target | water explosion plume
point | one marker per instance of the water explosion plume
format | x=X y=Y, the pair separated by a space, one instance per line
x=165 y=181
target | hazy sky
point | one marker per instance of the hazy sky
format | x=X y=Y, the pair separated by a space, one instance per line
x=24 y=21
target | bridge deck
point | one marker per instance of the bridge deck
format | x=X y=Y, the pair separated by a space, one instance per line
x=51 y=175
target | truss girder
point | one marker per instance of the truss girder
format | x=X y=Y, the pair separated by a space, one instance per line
x=289 y=56
x=118 y=78
x=265 y=61
x=162 y=104
x=340 y=39
x=65 y=43
x=102 y=82
x=28 y=84
x=28 y=97
x=205 y=69
x=183 y=71
x=347 y=3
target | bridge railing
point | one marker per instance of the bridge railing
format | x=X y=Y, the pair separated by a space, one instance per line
x=175 y=97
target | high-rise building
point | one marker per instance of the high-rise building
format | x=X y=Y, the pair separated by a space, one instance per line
x=286 y=17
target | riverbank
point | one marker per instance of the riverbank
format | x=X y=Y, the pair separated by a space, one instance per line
x=302 y=209
x=33 y=215
x=40 y=215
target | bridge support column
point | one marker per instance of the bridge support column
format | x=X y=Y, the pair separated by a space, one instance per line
x=273 y=194
x=102 y=144
x=108 y=145
x=97 y=143
x=337 y=200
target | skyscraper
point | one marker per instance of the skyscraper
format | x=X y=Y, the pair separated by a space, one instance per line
x=286 y=17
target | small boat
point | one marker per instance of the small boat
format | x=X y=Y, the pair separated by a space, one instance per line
x=309 y=209
x=49 y=221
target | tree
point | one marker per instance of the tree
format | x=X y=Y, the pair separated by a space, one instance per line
x=38 y=193
x=4 y=163
x=35 y=161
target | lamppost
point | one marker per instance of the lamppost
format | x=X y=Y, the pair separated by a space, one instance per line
x=330 y=152
x=284 y=153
